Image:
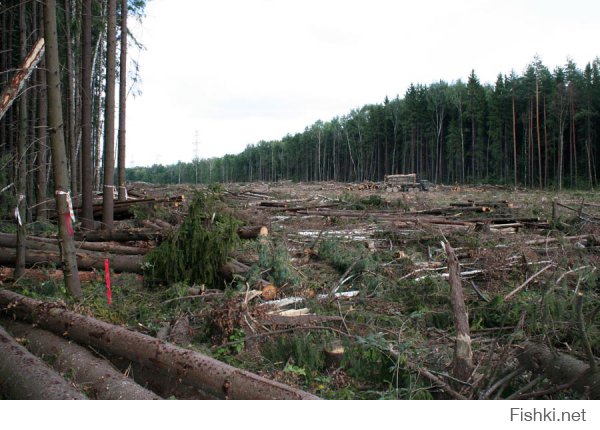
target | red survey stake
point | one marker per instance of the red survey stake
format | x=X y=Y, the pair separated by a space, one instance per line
x=107 y=276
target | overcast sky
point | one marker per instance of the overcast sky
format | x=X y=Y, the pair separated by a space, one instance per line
x=239 y=71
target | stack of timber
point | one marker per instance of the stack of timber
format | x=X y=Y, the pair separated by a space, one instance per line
x=395 y=183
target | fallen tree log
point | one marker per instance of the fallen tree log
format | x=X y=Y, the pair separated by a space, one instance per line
x=560 y=368
x=124 y=209
x=451 y=209
x=164 y=385
x=193 y=368
x=51 y=244
x=253 y=232
x=85 y=260
x=95 y=376
x=233 y=268
x=56 y=275
x=23 y=376
x=129 y=235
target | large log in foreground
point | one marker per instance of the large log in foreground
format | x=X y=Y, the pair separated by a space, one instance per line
x=560 y=368
x=193 y=368
x=23 y=376
x=96 y=376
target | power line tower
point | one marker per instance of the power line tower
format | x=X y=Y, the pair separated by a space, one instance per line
x=196 y=160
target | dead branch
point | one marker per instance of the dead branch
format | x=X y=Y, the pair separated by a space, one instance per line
x=524 y=284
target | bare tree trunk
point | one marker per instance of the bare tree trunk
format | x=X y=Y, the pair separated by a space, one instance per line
x=122 y=103
x=25 y=377
x=539 y=137
x=109 y=117
x=22 y=156
x=41 y=213
x=59 y=158
x=514 y=139
x=463 y=355
x=70 y=134
x=87 y=215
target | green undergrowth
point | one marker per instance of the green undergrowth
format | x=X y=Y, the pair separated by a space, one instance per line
x=274 y=261
x=195 y=252
x=344 y=257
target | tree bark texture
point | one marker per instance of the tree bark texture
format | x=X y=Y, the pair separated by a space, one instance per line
x=97 y=377
x=59 y=157
x=48 y=244
x=193 y=368
x=25 y=377
x=164 y=385
x=560 y=368
x=109 y=116
x=463 y=355
x=10 y=93
x=22 y=155
x=122 y=104
x=86 y=117
x=129 y=235
x=85 y=260
x=42 y=132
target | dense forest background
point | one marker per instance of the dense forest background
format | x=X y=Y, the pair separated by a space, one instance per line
x=538 y=129
x=91 y=40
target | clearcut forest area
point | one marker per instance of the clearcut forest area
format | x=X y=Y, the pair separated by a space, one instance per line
x=335 y=290
x=440 y=245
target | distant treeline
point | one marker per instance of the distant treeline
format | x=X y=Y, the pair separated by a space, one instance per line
x=540 y=129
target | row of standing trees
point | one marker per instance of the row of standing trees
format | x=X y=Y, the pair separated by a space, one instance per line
x=538 y=129
x=61 y=129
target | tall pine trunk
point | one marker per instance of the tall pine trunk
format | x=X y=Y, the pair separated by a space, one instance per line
x=71 y=139
x=22 y=155
x=59 y=156
x=539 y=137
x=42 y=133
x=122 y=102
x=86 y=117
x=109 y=117
x=514 y=113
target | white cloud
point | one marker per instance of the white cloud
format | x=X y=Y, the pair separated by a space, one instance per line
x=240 y=71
